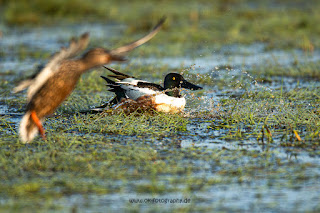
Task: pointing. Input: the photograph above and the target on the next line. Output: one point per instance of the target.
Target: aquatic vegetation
(106, 154)
(248, 142)
(296, 70)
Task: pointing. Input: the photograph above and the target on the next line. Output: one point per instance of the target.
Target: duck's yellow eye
(174, 78)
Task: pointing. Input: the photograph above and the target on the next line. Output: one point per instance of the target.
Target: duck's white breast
(165, 103)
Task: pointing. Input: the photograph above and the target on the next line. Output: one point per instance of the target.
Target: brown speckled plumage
(54, 83)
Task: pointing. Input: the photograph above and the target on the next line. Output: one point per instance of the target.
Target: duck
(55, 81)
(132, 94)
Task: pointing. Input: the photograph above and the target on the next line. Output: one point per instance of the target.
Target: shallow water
(238, 59)
(248, 198)
(253, 194)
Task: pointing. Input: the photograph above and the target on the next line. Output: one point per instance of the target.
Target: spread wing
(39, 79)
(28, 81)
(139, 42)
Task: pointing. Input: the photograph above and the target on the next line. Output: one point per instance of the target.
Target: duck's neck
(174, 92)
(85, 64)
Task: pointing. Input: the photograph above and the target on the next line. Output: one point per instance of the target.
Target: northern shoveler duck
(133, 94)
(48, 88)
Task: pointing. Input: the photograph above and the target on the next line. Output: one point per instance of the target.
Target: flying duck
(52, 84)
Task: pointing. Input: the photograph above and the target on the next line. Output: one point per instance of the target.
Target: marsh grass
(50, 170)
(307, 70)
(275, 126)
(102, 154)
(277, 117)
(157, 124)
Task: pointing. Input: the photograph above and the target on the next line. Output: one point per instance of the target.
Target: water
(253, 194)
(237, 59)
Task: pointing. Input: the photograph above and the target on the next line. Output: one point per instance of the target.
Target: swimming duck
(48, 88)
(133, 94)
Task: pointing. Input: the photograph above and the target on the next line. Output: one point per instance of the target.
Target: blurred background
(279, 24)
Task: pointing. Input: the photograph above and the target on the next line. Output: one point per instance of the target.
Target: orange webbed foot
(37, 121)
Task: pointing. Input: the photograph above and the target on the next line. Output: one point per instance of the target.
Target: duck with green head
(133, 94)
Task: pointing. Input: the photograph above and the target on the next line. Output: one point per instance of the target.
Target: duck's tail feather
(28, 129)
(116, 88)
(117, 74)
(110, 82)
(119, 77)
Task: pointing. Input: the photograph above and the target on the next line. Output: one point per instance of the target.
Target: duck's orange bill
(37, 121)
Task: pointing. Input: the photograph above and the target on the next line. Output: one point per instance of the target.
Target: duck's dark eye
(174, 78)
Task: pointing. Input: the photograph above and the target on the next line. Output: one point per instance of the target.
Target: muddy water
(254, 196)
